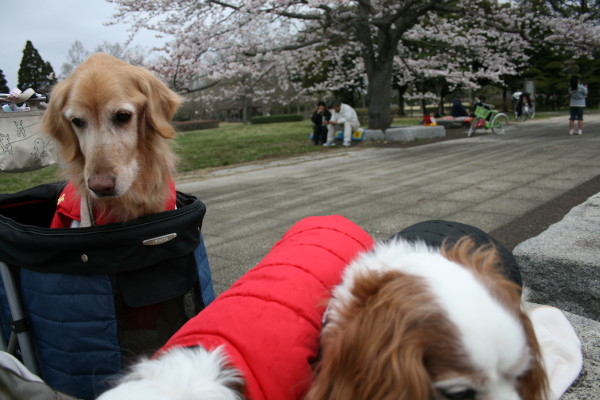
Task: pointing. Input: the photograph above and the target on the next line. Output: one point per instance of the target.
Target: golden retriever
(111, 120)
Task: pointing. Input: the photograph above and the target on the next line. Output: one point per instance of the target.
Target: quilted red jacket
(269, 321)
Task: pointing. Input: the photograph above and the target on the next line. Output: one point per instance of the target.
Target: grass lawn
(14, 182)
(233, 143)
(229, 144)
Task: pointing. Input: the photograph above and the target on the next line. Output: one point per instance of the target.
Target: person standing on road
(578, 94)
(342, 117)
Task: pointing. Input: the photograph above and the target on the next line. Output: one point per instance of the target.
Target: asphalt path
(513, 186)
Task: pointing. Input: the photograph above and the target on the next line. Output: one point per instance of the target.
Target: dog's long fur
(411, 322)
(181, 374)
(111, 120)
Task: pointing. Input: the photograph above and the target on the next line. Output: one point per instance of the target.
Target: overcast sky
(53, 26)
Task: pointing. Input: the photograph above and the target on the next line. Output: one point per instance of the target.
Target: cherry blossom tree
(442, 55)
(217, 41)
(78, 53)
(550, 69)
(567, 8)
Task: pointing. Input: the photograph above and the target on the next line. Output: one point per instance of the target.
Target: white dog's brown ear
(55, 124)
(534, 384)
(374, 347)
(162, 103)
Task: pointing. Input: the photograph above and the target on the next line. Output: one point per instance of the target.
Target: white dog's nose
(103, 185)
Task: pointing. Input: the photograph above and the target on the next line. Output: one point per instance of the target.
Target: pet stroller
(79, 305)
(84, 302)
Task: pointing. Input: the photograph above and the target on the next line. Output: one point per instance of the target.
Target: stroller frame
(20, 333)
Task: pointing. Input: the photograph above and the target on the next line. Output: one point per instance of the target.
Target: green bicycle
(488, 119)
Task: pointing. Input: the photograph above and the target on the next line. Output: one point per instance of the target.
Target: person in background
(578, 94)
(429, 120)
(480, 102)
(458, 110)
(319, 119)
(524, 99)
(342, 117)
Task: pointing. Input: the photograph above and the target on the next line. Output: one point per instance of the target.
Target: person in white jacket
(342, 117)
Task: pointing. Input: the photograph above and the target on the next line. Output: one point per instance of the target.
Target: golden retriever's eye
(78, 122)
(122, 117)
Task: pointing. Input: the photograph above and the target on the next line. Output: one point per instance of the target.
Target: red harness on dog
(68, 207)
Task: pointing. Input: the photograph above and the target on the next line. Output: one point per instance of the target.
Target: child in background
(319, 119)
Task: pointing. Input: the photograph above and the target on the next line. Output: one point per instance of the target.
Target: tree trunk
(401, 105)
(380, 95)
(504, 99)
(244, 110)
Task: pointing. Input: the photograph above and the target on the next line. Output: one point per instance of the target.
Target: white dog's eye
(122, 117)
(463, 394)
(78, 122)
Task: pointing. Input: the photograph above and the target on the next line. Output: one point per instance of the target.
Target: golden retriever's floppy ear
(375, 347)
(161, 103)
(55, 125)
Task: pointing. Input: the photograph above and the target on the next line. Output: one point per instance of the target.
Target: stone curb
(560, 267)
(403, 134)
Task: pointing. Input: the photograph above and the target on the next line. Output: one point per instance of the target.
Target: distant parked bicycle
(487, 118)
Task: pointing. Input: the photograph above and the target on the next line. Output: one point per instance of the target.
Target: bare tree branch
(185, 90)
(284, 48)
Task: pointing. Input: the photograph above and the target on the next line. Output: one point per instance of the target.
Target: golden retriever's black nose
(102, 185)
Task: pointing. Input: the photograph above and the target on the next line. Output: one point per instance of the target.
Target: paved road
(501, 184)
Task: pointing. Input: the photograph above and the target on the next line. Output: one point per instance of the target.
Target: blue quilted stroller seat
(94, 299)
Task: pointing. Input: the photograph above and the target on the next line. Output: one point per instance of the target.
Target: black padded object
(434, 233)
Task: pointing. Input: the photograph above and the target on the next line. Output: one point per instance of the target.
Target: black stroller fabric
(100, 295)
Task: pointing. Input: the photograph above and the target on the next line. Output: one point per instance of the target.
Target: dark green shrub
(186, 126)
(275, 118)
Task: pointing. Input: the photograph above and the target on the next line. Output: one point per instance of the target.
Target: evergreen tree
(3, 83)
(34, 72)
